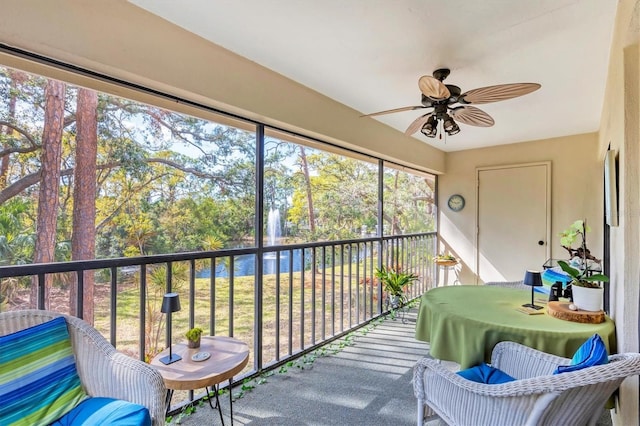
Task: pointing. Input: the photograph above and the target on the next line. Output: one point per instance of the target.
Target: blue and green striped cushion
(38, 378)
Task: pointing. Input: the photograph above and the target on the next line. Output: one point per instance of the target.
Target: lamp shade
(532, 278)
(170, 303)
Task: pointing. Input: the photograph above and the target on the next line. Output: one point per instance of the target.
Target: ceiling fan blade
(472, 116)
(433, 88)
(417, 124)
(500, 92)
(389, 111)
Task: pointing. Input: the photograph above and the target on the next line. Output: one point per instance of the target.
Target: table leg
(231, 400)
(167, 400)
(210, 396)
(215, 389)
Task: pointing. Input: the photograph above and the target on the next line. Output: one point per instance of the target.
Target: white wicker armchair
(508, 284)
(103, 371)
(536, 398)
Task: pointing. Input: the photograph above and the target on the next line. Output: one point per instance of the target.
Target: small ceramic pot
(193, 343)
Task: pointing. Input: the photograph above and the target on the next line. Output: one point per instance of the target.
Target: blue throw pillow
(105, 411)
(484, 373)
(592, 352)
(38, 378)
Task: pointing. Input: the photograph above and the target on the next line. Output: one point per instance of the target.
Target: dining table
(463, 323)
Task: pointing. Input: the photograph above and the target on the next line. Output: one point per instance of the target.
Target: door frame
(547, 164)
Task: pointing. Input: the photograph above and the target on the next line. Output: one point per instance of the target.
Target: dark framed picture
(611, 188)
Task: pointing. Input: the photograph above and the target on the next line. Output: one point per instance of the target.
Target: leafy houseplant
(569, 236)
(580, 277)
(394, 283)
(585, 287)
(193, 337)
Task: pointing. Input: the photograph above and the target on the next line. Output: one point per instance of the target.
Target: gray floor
(368, 383)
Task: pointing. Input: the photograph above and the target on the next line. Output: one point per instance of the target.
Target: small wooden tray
(561, 311)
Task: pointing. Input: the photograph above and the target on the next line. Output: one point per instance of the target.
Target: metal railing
(282, 300)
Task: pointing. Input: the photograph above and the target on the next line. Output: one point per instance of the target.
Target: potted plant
(585, 289)
(445, 260)
(193, 337)
(394, 283)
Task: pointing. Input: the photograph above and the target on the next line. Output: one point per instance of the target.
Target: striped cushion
(38, 378)
(590, 353)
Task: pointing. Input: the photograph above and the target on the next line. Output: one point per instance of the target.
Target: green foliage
(581, 277)
(394, 281)
(443, 256)
(193, 334)
(16, 239)
(168, 182)
(570, 235)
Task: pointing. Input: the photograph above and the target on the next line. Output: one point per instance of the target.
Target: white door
(513, 220)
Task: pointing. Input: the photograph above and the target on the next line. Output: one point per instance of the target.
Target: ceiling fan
(441, 97)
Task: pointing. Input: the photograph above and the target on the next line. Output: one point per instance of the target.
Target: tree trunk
(395, 222)
(307, 183)
(46, 222)
(16, 78)
(83, 240)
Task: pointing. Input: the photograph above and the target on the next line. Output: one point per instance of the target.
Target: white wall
(620, 129)
(576, 192)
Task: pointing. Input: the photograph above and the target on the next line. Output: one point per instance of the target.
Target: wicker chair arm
(107, 372)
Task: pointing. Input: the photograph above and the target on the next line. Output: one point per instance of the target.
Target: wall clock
(456, 202)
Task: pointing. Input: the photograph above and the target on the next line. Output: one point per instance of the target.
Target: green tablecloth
(464, 323)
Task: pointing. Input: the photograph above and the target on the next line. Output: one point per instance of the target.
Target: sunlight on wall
(451, 236)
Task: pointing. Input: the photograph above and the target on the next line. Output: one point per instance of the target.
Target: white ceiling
(369, 54)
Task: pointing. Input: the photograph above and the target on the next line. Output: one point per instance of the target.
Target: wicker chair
(536, 398)
(103, 371)
(507, 284)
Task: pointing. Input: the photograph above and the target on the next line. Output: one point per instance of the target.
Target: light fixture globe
(454, 130)
(430, 128)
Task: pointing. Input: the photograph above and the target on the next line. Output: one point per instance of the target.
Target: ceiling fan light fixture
(430, 128)
(448, 122)
(450, 126)
(454, 130)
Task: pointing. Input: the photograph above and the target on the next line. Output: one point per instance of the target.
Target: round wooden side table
(227, 357)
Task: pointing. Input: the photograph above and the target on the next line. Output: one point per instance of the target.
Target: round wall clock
(456, 202)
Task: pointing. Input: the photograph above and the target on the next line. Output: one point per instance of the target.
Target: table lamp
(533, 279)
(170, 304)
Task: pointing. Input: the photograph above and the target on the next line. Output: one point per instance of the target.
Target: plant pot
(193, 343)
(394, 302)
(587, 299)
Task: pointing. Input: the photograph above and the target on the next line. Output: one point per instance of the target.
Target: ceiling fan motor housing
(441, 74)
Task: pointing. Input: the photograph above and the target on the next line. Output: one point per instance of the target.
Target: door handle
(540, 243)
